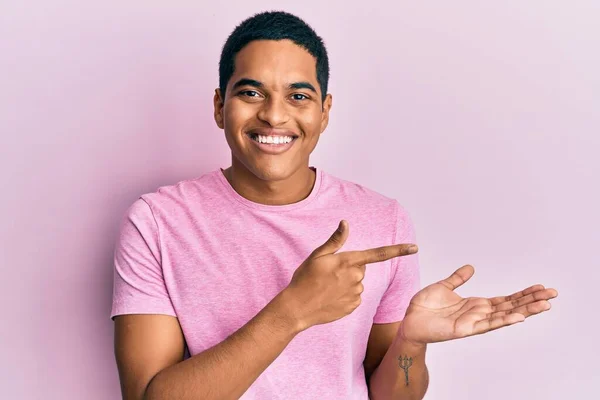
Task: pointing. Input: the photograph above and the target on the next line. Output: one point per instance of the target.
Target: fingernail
(413, 248)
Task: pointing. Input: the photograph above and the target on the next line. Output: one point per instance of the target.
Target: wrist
(287, 311)
(401, 338)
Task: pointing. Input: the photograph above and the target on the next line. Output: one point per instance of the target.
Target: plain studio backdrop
(481, 118)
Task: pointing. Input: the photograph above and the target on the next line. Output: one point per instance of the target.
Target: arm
(402, 374)
(149, 352)
(385, 377)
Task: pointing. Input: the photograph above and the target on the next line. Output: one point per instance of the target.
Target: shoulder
(373, 206)
(359, 195)
(182, 194)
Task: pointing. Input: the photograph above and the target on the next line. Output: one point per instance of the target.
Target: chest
(218, 281)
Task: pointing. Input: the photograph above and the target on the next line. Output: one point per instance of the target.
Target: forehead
(275, 63)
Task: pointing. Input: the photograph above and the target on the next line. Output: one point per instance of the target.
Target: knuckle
(344, 262)
(358, 301)
(360, 276)
(335, 238)
(381, 253)
(337, 273)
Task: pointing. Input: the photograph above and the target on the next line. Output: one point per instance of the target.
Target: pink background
(483, 120)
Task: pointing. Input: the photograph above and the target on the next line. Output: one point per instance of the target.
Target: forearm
(227, 370)
(402, 374)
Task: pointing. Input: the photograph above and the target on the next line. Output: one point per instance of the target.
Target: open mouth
(272, 140)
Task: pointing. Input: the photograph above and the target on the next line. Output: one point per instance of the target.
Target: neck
(291, 190)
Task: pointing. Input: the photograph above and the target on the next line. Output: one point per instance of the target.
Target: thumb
(459, 277)
(335, 241)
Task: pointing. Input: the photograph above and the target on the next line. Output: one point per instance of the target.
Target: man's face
(271, 115)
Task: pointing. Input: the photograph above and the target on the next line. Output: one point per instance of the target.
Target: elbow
(152, 390)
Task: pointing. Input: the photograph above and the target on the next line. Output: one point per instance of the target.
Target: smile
(272, 144)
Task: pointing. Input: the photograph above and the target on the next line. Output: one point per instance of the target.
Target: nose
(274, 111)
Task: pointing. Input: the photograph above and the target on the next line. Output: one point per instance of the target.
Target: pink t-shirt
(199, 251)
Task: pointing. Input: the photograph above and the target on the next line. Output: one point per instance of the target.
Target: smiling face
(272, 113)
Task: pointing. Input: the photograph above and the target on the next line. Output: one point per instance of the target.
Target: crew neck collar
(266, 207)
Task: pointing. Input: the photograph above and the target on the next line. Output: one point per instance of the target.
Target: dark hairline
(276, 26)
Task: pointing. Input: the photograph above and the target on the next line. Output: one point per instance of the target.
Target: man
(244, 268)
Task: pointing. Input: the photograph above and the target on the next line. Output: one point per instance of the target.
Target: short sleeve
(138, 285)
(405, 275)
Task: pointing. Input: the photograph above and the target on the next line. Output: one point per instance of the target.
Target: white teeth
(273, 139)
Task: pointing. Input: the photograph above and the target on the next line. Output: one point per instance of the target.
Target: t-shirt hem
(123, 310)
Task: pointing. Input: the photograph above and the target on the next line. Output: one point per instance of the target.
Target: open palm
(437, 313)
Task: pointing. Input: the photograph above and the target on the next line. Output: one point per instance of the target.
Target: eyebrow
(303, 85)
(259, 85)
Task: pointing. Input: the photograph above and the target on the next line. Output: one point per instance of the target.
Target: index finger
(382, 253)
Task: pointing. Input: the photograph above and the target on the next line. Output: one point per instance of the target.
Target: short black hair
(273, 25)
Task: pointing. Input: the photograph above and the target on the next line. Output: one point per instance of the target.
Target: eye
(299, 96)
(249, 93)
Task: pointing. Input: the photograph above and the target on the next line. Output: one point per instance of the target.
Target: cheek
(311, 122)
(311, 126)
(235, 115)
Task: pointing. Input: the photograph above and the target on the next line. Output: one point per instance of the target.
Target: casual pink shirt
(199, 251)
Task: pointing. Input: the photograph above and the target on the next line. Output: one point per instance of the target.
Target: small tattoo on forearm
(405, 363)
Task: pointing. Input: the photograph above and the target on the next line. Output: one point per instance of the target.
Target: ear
(325, 112)
(218, 103)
